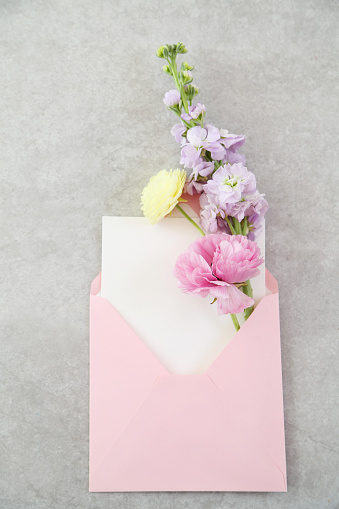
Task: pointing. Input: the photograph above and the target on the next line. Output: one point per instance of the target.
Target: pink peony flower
(214, 264)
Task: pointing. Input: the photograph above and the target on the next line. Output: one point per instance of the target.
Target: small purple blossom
(198, 139)
(256, 213)
(239, 201)
(196, 181)
(204, 169)
(177, 131)
(172, 98)
(197, 111)
(193, 187)
(212, 216)
(194, 112)
(237, 210)
(231, 140)
(213, 133)
(253, 206)
(233, 157)
(190, 156)
(230, 182)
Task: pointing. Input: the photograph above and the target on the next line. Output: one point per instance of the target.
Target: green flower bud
(165, 52)
(191, 91)
(195, 90)
(187, 67)
(160, 52)
(186, 77)
(181, 48)
(175, 108)
(167, 69)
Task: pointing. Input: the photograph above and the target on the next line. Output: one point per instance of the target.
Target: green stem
(190, 220)
(217, 165)
(230, 225)
(237, 226)
(244, 226)
(182, 120)
(248, 290)
(184, 99)
(179, 86)
(235, 321)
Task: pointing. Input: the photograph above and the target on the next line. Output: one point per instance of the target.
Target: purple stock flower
(177, 131)
(256, 213)
(232, 192)
(172, 98)
(211, 216)
(237, 210)
(185, 116)
(193, 183)
(194, 112)
(193, 187)
(231, 140)
(233, 157)
(204, 169)
(230, 182)
(253, 206)
(198, 139)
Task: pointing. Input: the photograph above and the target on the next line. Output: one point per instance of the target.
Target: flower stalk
(235, 321)
(230, 202)
(248, 290)
(190, 220)
(182, 79)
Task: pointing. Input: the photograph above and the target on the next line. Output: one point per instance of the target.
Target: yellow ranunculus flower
(162, 194)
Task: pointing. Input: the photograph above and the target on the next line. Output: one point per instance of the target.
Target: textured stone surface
(83, 127)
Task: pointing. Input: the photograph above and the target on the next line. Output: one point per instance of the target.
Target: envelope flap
(122, 371)
(248, 373)
(194, 442)
(96, 285)
(271, 282)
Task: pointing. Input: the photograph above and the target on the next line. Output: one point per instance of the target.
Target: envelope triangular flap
(122, 372)
(184, 438)
(248, 373)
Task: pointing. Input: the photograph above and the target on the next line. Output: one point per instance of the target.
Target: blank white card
(183, 331)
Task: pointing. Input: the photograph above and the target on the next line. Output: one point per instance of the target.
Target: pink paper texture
(154, 431)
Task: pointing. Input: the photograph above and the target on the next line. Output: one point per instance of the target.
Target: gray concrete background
(83, 127)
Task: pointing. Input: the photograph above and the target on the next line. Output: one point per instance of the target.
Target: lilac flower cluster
(229, 199)
(228, 190)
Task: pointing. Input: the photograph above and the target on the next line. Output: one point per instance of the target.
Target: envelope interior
(183, 331)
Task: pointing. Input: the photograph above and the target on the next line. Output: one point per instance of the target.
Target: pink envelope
(154, 431)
